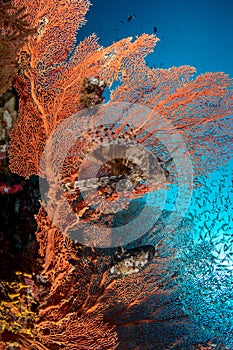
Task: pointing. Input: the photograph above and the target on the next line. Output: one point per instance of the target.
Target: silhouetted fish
(131, 17)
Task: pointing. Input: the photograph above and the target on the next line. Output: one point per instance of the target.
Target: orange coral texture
(50, 85)
(84, 304)
(81, 305)
(14, 31)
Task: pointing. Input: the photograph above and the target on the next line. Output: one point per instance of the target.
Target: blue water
(196, 32)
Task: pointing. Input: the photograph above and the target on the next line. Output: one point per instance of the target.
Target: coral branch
(14, 31)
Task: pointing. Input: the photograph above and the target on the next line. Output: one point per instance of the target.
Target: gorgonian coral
(14, 31)
(50, 86)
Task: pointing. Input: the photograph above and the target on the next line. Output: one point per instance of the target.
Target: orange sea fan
(50, 87)
(14, 32)
(83, 305)
(109, 166)
(197, 108)
(50, 93)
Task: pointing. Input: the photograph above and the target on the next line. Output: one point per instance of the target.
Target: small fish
(155, 29)
(131, 17)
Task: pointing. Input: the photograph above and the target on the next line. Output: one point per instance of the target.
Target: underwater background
(194, 309)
